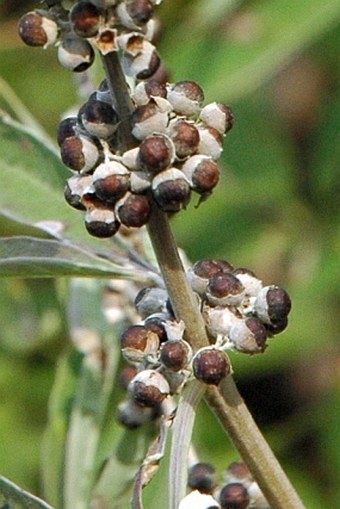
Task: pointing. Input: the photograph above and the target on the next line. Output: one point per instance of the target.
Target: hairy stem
(225, 401)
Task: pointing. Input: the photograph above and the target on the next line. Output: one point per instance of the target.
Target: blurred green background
(276, 211)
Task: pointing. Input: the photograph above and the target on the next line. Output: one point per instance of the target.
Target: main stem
(225, 400)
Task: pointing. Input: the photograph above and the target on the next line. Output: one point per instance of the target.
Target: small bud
(80, 153)
(197, 500)
(149, 388)
(156, 153)
(37, 30)
(175, 355)
(74, 190)
(234, 496)
(75, 54)
(202, 173)
(224, 289)
(66, 129)
(202, 477)
(85, 19)
(210, 142)
(210, 365)
(111, 181)
(171, 190)
(98, 118)
(133, 210)
(185, 137)
(272, 305)
(249, 335)
(217, 115)
(101, 223)
(150, 300)
(146, 90)
(185, 97)
(149, 119)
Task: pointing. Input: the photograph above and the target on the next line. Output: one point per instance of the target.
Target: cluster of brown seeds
(237, 491)
(240, 314)
(176, 140)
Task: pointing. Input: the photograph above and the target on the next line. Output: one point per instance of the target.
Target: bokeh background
(276, 211)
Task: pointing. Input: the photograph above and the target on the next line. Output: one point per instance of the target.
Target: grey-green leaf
(33, 257)
(13, 497)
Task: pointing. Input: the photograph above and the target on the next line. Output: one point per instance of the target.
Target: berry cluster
(239, 312)
(176, 141)
(238, 490)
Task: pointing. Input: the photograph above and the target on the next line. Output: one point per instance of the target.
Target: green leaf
(32, 257)
(13, 497)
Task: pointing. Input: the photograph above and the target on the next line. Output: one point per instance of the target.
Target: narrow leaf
(13, 497)
(32, 257)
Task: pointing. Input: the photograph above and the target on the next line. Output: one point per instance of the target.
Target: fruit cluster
(175, 140)
(238, 490)
(240, 314)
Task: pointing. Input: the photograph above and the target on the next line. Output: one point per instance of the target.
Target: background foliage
(275, 212)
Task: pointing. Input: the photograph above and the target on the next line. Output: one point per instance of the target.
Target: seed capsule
(210, 365)
(75, 54)
(210, 142)
(135, 13)
(85, 19)
(185, 97)
(224, 289)
(175, 355)
(146, 90)
(202, 173)
(171, 190)
(185, 138)
(101, 223)
(67, 128)
(217, 115)
(234, 496)
(74, 190)
(202, 477)
(272, 305)
(249, 335)
(37, 30)
(144, 64)
(149, 388)
(156, 153)
(200, 273)
(98, 118)
(149, 119)
(219, 320)
(138, 343)
(133, 210)
(80, 153)
(111, 181)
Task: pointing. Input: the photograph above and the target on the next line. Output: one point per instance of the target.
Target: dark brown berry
(175, 354)
(67, 128)
(207, 267)
(210, 365)
(80, 153)
(224, 288)
(134, 210)
(234, 496)
(185, 137)
(135, 337)
(149, 388)
(171, 190)
(156, 152)
(85, 19)
(75, 53)
(202, 477)
(101, 223)
(140, 11)
(37, 30)
(157, 325)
